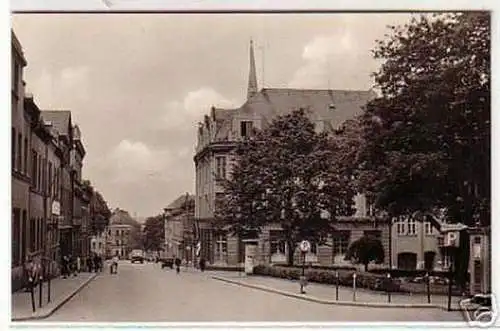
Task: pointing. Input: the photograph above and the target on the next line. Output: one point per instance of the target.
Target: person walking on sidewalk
(78, 264)
(202, 264)
(96, 263)
(177, 264)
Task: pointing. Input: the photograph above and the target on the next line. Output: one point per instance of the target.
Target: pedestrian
(89, 264)
(114, 264)
(202, 264)
(78, 264)
(65, 266)
(177, 264)
(96, 263)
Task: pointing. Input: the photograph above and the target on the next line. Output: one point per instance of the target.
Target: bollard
(337, 286)
(32, 292)
(427, 280)
(40, 290)
(354, 287)
(389, 287)
(450, 281)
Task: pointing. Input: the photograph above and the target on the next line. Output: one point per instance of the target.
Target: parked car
(137, 255)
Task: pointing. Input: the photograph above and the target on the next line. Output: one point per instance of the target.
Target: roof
(330, 106)
(60, 119)
(179, 202)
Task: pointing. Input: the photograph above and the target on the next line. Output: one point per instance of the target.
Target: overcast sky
(138, 84)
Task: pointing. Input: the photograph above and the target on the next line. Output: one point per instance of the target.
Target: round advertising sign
(305, 246)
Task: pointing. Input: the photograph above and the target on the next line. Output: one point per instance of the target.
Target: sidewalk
(61, 291)
(324, 293)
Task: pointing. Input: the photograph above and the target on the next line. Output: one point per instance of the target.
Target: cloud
(61, 89)
(337, 61)
(133, 161)
(187, 112)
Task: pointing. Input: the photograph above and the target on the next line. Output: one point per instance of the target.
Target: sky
(137, 84)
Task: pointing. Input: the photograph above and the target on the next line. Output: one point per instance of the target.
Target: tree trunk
(366, 267)
(291, 252)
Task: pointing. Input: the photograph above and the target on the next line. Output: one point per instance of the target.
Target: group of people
(94, 263)
(71, 266)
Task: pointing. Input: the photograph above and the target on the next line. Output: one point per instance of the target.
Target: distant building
(117, 240)
(98, 244)
(179, 228)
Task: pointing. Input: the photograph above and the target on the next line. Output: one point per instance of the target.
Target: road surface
(146, 293)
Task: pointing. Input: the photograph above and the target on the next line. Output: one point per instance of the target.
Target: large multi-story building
(223, 128)
(61, 121)
(42, 180)
(21, 133)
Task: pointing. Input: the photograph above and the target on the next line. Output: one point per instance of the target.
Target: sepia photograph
(251, 166)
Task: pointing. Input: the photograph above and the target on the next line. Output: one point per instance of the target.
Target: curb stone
(330, 302)
(58, 305)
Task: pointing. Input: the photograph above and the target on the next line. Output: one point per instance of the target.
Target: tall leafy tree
(428, 134)
(427, 137)
(291, 175)
(154, 233)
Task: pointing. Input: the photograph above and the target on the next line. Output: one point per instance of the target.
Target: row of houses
(51, 203)
(408, 243)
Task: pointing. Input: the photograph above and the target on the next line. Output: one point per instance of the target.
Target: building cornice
(219, 146)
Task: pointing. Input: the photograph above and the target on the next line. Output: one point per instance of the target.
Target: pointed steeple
(252, 77)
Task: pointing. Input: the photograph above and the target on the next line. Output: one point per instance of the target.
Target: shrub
(224, 268)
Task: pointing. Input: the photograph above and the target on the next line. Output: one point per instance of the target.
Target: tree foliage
(154, 233)
(290, 175)
(427, 137)
(365, 250)
(100, 213)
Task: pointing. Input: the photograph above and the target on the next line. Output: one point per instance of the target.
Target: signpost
(305, 246)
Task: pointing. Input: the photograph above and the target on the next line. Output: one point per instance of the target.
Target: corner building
(219, 133)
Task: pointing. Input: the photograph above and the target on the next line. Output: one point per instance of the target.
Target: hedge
(224, 268)
(320, 267)
(368, 280)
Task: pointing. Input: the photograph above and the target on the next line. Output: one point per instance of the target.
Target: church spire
(252, 77)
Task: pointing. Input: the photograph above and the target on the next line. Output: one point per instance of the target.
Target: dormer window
(246, 128)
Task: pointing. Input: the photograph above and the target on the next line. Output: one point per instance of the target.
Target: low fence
(430, 284)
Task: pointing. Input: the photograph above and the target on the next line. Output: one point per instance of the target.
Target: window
(314, 248)
(401, 226)
(412, 227)
(341, 242)
(34, 165)
(32, 237)
(16, 236)
(49, 185)
(278, 245)
(220, 162)
(100, 245)
(19, 152)
(221, 247)
(24, 236)
(117, 233)
(25, 169)
(13, 148)
(428, 228)
(117, 242)
(15, 76)
(93, 245)
(246, 128)
(477, 240)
